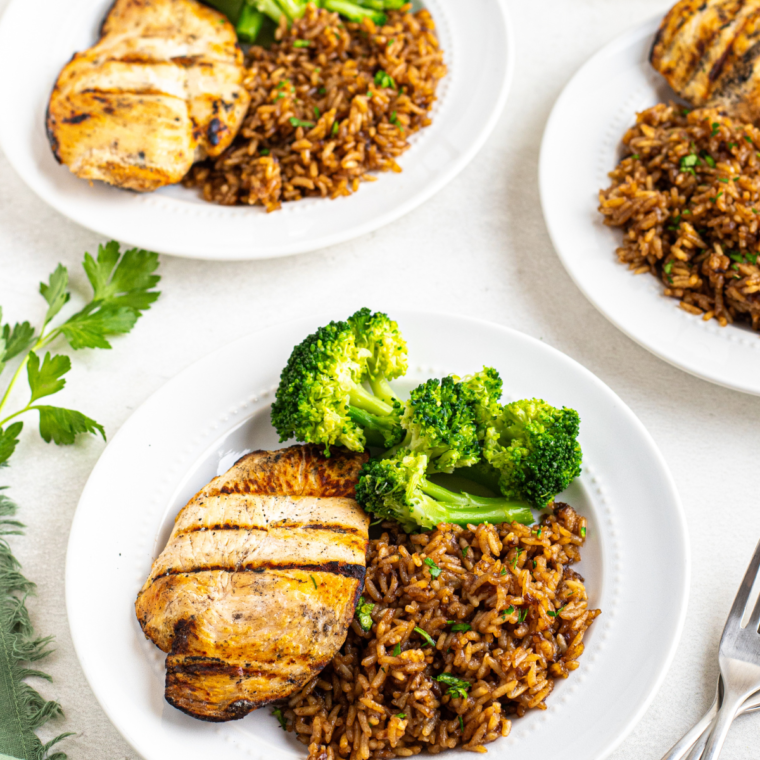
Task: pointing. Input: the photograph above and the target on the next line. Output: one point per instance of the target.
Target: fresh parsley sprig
(123, 288)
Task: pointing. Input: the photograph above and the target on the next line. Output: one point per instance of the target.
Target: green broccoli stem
(269, 8)
(377, 5)
(372, 423)
(363, 399)
(293, 9)
(464, 508)
(249, 24)
(354, 12)
(382, 389)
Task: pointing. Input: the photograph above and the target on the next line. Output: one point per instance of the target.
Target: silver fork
(692, 743)
(739, 659)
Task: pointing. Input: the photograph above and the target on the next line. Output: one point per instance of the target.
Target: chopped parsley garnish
(394, 120)
(313, 581)
(459, 626)
(425, 635)
(401, 716)
(517, 556)
(264, 151)
(384, 79)
(435, 571)
(503, 571)
(466, 548)
(299, 123)
(301, 43)
(277, 712)
(722, 179)
(748, 139)
(736, 257)
(316, 111)
(461, 722)
(751, 257)
(369, 93)
(732, 145)
(734, 266)
(555, 614)
(509, 611)
(457, 686)
(534, 564)
(335, 128)
(685, 111)
(280, 96)
(583, 533)
(397, 650)
(635, 156)
(736, 179)
(715, 128)
(709, 160)
(391, 41)
(521, 617)
(282, 84)
(667, 268)
(322, 90)
(689, 162)
(364, 614)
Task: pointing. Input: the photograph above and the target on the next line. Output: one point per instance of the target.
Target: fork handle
(682, 748)
(732, 702)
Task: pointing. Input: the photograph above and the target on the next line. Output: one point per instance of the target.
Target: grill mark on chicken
(337, 568)
(255, 589)
(311, 526)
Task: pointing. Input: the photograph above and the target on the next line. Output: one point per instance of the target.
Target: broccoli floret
(396, 488)
(321, 398)
(538, 454)
(381, 350)
(449, 420)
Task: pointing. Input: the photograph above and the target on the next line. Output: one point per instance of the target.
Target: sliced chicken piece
(161, 89)
(709, 53)
(259, 581)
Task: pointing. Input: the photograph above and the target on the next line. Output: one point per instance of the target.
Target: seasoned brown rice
(521, 614)
(331, 101)
(687, 197)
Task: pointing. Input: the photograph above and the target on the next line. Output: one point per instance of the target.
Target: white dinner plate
(636, 561)
(479, 51)
(580, 146)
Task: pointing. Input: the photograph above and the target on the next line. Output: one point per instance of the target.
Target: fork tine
(742, 596)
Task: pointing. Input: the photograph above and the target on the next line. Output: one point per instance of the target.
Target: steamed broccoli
(381, 350)
(448, 420)
(321, 398)
(396, 488)
(537, 454)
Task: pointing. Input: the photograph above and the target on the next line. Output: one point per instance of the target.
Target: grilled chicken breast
(709, 52)
(256, 588)
(161, 89)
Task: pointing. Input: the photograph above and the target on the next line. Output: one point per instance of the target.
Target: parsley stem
(22, 364)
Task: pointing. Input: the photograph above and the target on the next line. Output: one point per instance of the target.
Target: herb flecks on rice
(688, 199)
(449, 660)
(326, 114)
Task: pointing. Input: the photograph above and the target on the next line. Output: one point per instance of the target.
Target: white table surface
(479, 248)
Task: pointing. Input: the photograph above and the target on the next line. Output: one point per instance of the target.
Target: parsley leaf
(459, 626)
(299, 123)
(397, 650)
(425, 635)
(55, 292)
(9, 440)
(277, 712)
(457, 686)
(384, 79)
(15, 340)
(62, 426)
(435, 571)
(364, 614)
(46, 379)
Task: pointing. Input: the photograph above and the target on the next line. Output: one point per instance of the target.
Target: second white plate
(479, 51)
(580, 146)
(636, 561)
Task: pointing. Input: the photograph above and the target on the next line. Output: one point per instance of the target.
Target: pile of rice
(688, 199)
(521, 612)
(331, 101)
